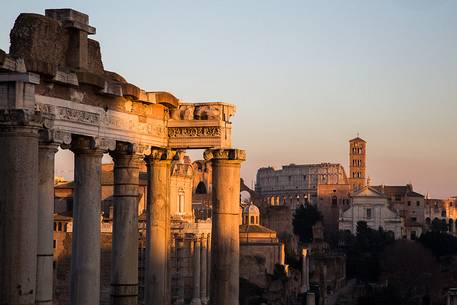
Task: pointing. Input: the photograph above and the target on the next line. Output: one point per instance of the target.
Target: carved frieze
(175, 132)
(69, 114)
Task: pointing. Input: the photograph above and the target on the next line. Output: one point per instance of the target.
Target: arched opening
(201, 188)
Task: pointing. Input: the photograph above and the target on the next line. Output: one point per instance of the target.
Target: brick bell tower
(357, 163)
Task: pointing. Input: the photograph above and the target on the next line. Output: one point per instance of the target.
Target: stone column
(310, 298)
(85, 255)
(196, 272)
(208, 271)
(180, 270)
(44, 276)
(18, 203)
(225, 255)
(157, 231)
(124, 273)
(305, 271)
(203, 273)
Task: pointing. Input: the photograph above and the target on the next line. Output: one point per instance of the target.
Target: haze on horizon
(306, 76)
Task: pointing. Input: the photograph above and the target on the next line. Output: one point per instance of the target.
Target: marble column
(18, 205)
(196, 272)
(124, 272)
(157, 231)
(44, 276)
(85, 255)
(305, 271)
(225, 252)
(203, 270)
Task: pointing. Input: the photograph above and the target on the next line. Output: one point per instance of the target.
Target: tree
(304, 219)
(412, 271)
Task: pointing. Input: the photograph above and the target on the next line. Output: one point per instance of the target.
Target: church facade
(371, 206)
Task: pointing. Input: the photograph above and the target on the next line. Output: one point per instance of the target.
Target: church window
(55, 226)
(443, 213)
(418, 203)
(369, 214)
(252, 220)
(54, 244)
(60, 227)
(245, 220)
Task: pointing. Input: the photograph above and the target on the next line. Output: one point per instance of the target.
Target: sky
(306, 76)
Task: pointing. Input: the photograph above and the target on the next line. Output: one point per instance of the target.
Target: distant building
(371, 206)
(357, 163)
(294, 185)
(260, 249)
(409, 204)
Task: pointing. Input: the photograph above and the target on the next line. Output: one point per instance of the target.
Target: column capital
(124, 149)
(160, 154)
(21, 117)
(224, 154)
(83, 144)
(54, 137)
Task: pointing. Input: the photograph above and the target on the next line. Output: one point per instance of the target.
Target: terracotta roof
(397, 190)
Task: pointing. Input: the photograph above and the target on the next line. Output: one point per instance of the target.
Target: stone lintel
(225, 154)
(71, 18)
(66, 78)
(130, 90)
(112, 89)
(31, 78)
(91, 79)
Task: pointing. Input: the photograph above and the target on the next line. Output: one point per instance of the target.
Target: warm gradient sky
(306, 76)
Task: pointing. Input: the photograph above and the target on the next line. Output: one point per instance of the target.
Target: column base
(196, 301)
(205, 301)
(179, 302)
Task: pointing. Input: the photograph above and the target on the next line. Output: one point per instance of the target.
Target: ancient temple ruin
(54, 92)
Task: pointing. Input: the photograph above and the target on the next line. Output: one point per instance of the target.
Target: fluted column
(225, 225)
(44, 277)
(124, 273)
(157, 231)
(196, 272)
(203, 270)
(85, 256)
(18, 204)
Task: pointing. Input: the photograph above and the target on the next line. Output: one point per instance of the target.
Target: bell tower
(357, 163)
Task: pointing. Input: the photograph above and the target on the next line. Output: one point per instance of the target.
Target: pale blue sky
(306, 76)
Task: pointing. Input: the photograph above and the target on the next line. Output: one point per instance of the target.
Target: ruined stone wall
(258, 260)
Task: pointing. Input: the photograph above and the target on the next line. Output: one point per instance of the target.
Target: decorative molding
(175, 132)
(225, 154)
